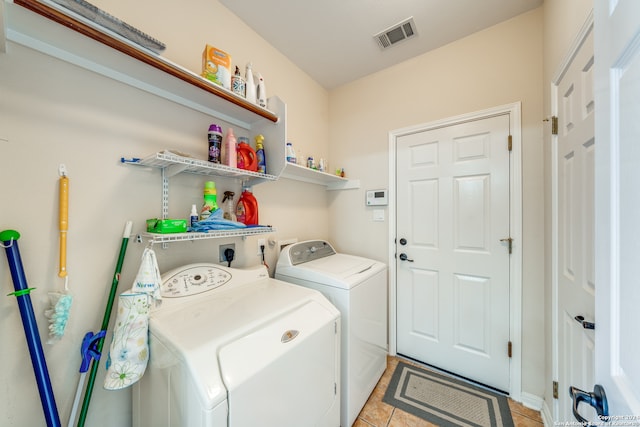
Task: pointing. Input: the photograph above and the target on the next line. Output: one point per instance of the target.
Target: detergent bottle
(247, 208)
(210, 200)
(228, 207)
(262, 161)
(246, 155)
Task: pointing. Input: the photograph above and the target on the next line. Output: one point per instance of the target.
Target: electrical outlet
(261, 242)
(222, 248)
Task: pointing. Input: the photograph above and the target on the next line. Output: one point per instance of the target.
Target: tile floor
(376, 413)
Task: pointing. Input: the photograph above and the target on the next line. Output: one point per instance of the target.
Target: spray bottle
(193, 217)
(228, 207)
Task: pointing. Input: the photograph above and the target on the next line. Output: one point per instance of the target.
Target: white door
(452, 290)
(617, 205)
(575, 232)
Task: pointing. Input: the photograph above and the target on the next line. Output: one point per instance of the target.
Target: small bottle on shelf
(262, 162)
(230, 153)
(290, 153)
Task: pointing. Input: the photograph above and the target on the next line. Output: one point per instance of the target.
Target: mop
(9, 240)
(91, 348)
(58, 314)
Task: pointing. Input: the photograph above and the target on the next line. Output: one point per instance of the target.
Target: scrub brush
(58, 314)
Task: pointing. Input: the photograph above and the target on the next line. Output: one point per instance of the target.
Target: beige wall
(51, 113)
(497, 66)
(563, 21)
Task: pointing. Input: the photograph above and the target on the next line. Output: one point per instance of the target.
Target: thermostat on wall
(377, 198)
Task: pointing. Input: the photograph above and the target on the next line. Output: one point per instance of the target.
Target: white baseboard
(532, 401)
(547, 416)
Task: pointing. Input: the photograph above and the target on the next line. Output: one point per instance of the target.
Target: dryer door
(286, 373)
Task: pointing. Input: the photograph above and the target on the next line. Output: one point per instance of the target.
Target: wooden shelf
(332, 182)
(37, 25)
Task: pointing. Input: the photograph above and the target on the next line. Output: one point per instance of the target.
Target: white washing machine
(358, 287)
(235, 348)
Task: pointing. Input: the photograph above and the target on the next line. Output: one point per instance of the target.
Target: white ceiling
(332, 40)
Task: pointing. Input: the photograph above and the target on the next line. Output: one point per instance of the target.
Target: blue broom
(9, 240)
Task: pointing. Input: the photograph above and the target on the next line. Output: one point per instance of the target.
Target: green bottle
(210, 200)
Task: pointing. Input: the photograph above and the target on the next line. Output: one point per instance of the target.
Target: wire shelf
(174, 164)
(216, 234)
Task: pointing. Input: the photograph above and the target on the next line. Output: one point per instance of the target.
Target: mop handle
(105, 325)
(9, 240)
(64, 223)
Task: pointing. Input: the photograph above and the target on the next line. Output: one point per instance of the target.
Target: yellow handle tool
(64, 224)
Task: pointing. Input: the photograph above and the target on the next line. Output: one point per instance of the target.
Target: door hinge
(510, 143)
(509, 240)
(509, 350)
(554, 125)
(555, 389)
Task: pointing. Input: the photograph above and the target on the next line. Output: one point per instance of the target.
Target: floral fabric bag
(129, 351)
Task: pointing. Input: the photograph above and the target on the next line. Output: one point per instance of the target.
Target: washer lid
(194, 328)
(339, 270)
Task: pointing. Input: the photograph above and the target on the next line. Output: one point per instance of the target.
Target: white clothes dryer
(358, 287)
(235, 348)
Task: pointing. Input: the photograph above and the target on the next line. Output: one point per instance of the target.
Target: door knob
(597, 399)
(403, 241)
(404, 257)
(584, 323)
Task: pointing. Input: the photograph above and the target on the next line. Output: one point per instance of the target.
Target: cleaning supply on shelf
(229, 151)
(240, 158)
(166, 226)
(216, 66)
(247, 158)
(238, 85)
(290, 153)
(58, 313)
(247, 208)
(215, 222)
(250, 90)
(261, 92)
(215, 143)
(229, 208)
(262, 161)
(193, 216)
(210, 200)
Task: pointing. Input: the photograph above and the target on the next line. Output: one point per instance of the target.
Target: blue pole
(9, 240)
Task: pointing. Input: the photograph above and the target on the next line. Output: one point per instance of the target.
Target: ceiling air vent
(396, 33)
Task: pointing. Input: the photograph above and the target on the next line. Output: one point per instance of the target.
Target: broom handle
(9, 240)
(64, 224)
(105, 325)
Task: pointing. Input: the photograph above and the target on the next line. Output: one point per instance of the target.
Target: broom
(91, 349)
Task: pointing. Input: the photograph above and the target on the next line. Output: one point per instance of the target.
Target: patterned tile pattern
(376, 413)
